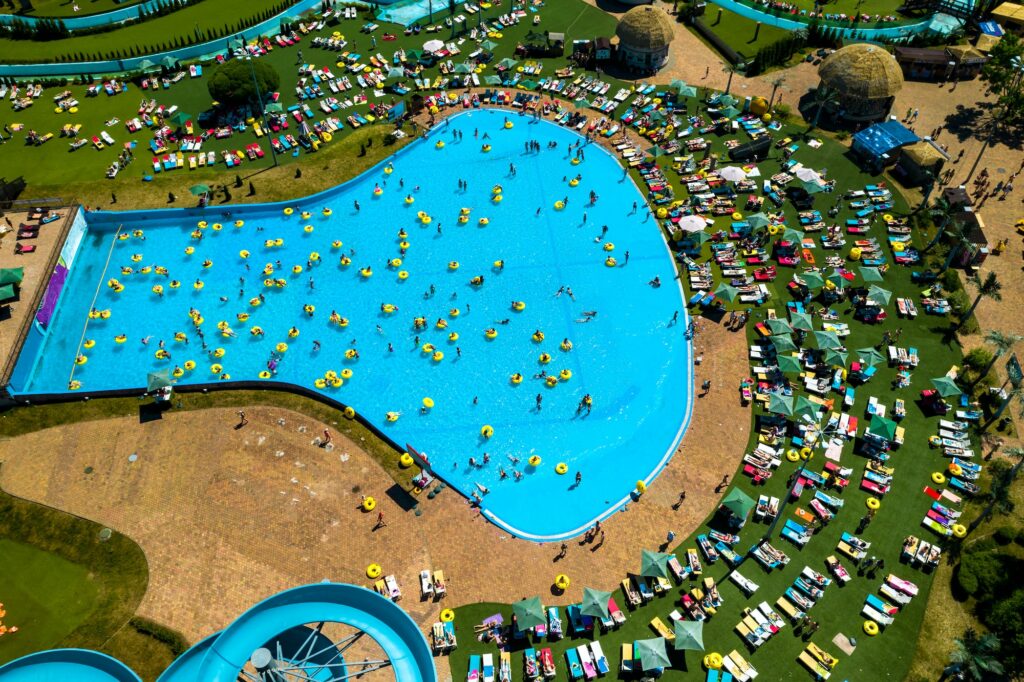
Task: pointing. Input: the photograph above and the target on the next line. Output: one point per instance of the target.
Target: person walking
(242, 421)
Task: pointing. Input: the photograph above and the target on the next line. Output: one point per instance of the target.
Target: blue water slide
(62, 665)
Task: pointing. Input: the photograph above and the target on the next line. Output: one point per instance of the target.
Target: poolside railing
(19, 340)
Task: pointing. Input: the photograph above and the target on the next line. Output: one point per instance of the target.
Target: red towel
(934, 494)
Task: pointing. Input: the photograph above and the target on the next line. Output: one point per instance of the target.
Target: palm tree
(990, 287)
(998, 496)
(776, 84)
(1011, 395)
(929, 187)
(943, 211)
(960, 236)
(824, 97)
(973, 655)
(731, 70)
(1001, 344)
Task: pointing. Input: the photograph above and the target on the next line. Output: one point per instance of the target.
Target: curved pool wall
(635, 364)
(85, 21)
(901, 31)
(63, 665)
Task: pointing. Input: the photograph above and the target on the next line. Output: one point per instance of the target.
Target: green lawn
(45, 596)
(881, 8)
(66, 8)
(738, 32)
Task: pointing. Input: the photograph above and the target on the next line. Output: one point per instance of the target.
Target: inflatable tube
(870, 628)
(561, 468)
(487, 431)
(938, 478)
(873, 503)
(373, 571)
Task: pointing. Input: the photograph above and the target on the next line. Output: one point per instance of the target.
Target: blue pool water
(634, 363)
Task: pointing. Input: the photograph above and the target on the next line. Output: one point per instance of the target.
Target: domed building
(865, 79)
(644, 34)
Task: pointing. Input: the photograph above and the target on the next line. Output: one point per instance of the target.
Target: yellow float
(440, 144)
(610, 262)
(216, 369)
(453, 337)
(349, 413)
(484, 221)
(574, 182)
(487, 431)
(346, 373)
(518, 306)
(120, 338)
(566, 345)
(281, 347)
(938, 478)
(959, 530)
(491, 334)
(336, 244)
(551, 381)
(534, 461)
(559, 205)
(447, 615)
(561, 468)
(453, 265)
(366, 273)
(565, 375)
(405, 461)
(544, 358)
(954, 468)
(438, 356)
(189, 250)
(373, 571)
(403, 274)
(609, 246)
(351, 354)
(308, 229)
(538, 336)
(713, 661)
(189, 365)
(486, 148)
(497, 198)
(792, 455)
(873, 503)
(806, 453)
(870, 628)
(516, 379)
(289, 210)
(562, 581)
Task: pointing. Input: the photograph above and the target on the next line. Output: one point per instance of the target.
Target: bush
(981, 574)
(951, 278)
(978, 358)
(1004, 535)
(174, 640)
(233, 83)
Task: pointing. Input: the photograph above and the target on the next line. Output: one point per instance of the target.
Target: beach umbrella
(528, 84)
(506, 63)
(730, 112)
(804, 407)
(791, 235)
(6, 292)
(869, 274)
(158, 380)
(813, 187)
(802, 321)
(529, 613)
(692, 223)
(879, 295)
(274, 108)
(882, 428)
(733, 173)
(433, 45)
(783, 343)
(727, 292)
(779, 326)
(689, 635)
(235, 43)
(757, 220)
(196, 190)
(180, 118)
(790, 363)
(11, 275)
(946, 387)
(870, 356)
(677, 84)
(780, 404)
(488, 45)
(146, 64)
(652, 653)
(837, 278)
(463, 68)
(805, 174)
(688, 91)
(581, 102)
(835, 356)
(812, 279)
(492, 80)
(395, 72)
(827, 340)
(654, 564)
(738, 503)
(595, 603)
(168, 61)
(727, 100)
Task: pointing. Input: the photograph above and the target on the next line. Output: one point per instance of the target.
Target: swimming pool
(629, 357)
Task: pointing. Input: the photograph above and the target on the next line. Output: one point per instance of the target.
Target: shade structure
(879, 295)
(802, 321)
(463, 68)
(728, 100)
(756, 220)
(196, 190)
(235, 43)
(595, 603)
(813, 187)
(791, 235)
(433, 45)
(881, 427)
(654, 564)
(804, 407)
(790, 363)
(836, 357)
(870, 356)
(395, 72)
(528, 84)
(492, 79)
(11, 275)
(274, 108)
(827, 340)
(6, 292)
(738, 503)
(838, 278)
(581, 102)
(529, 613)
(780, 404)
(783, 343)
(168, 61)
(812, 279)
(692, 223)
(946, 387)
(488, 45)
(146, 64)
(652, 653)
(689, 635)
(805, 174)
(727, 292)
(688, 91)
(699, 237)
(507, 63)
(869, 274)
(733, 173)
(180, 118)
(158, 380)
(731, 112)
(677, 84)
(778, 326)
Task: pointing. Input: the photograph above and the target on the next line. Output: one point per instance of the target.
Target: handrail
(19, 339)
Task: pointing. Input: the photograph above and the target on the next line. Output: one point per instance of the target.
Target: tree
(1001, 344)
(973, 655)
(731, 70)
(928, 186)
(943, 211)
(776, 84)
(1007, 620)
(234, 83)
(824, 97)
(960, 236)
(990, 287)
(998, 496)
(1003, 75)
(1011, 395)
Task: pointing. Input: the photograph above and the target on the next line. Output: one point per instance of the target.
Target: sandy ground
(228, 516)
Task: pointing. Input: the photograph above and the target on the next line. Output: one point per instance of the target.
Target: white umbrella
(433, 45)
(733, 173)
(809, 175)
(692, 223)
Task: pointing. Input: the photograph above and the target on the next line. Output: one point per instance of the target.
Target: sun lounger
(904, 586)
(663, 630)
(473, 675)
(589, 669)
(572, 660)
(615, 612)
(745, 584)
(875, 615)
(814, 665)
(554, 623)
(789, 609)
(439, 584)
(626, 665)
(531, 669)
(393, 590)
(600, 661)
(426, 584)
(738, 667)
(488, 668)
(547, 663)
(631, 594)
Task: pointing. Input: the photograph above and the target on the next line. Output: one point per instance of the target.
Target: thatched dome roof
(645, 28)
(862, 71)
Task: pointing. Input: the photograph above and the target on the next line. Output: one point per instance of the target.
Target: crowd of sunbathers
(790, 8)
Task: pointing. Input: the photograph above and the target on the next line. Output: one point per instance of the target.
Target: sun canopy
(946, 387)
(652, 653)
(529, 613)
(11, 275)
(738, 502)
(595, 603)
(689, 635)
(654, 564)
(780, 404)
(158, 380)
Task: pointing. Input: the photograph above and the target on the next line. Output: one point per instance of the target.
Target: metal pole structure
(259, 100)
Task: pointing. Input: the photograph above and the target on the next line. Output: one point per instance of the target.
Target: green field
(738, 32)
(66, 8)
(882, 8)
(45, 596)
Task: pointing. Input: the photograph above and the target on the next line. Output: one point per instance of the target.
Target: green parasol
(882, 428)
(791, 235)
(146, 64)
(527, 84)
(180, 118)
(802, 321)
(827, 340)
(836, 277)
(169, 61)
(6, 292)
(507, 63)
(488, 45)
(782, 343)
(812, 187)
(652, 653)
(727, 100)
(463, 68)
(836, 357)
(196, 190)
(780, 404)
(731, 112)
(688, 91)
(595, 603)
(654, 564)
(870, 356)
(581, 102)
(11, 275)
(158, 380)
(727, 292)
(492, 80)
(689, 635)
(790, 363)
(804, 407)
(756, 220)
(812, 279)
(699, 237)
(946, 387)
(738, 503)
(779, 326)
(274, 108)
(529, 613)
(879, 295)
(869, 274)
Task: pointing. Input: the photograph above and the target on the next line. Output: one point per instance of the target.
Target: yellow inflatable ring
(575, 161)
(405, 461)
(574, 182)
(487, 431)
(201, 224)
(955, 469)
(713, 661)
(873, 503)
(491, 334)
(544, 358)
(534, 460)
(561, 468)
(215, 369)
(484, 221)
(440, 144)
(373, 571)
(81, 360)
(486, 148)
(438, 356)
(346, 373)
(89, 343)
(566, 345)
(281, 347)
(508, 124)
(336, 244)
(610, 262)
(264, 374)
(609, 246)
(453, 337)
(806, 453)
(120, 338)
(447, 616)
(959, 530)
(496, 198)
(366, 273)
(453, 265)
(289, 210)
(565, 375)
(938, 478)
(403, 274)
(190, 365)
(870, 628)
(551, 381)
(792, 455)
(349, 413)
(538, 336)
(409, 200)
(934, 441)
(320, 383)
(516, 379)
(189, 250)
(559, 205)
(562, 581)
(518, 306)
(774, 229)
(641, 487)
